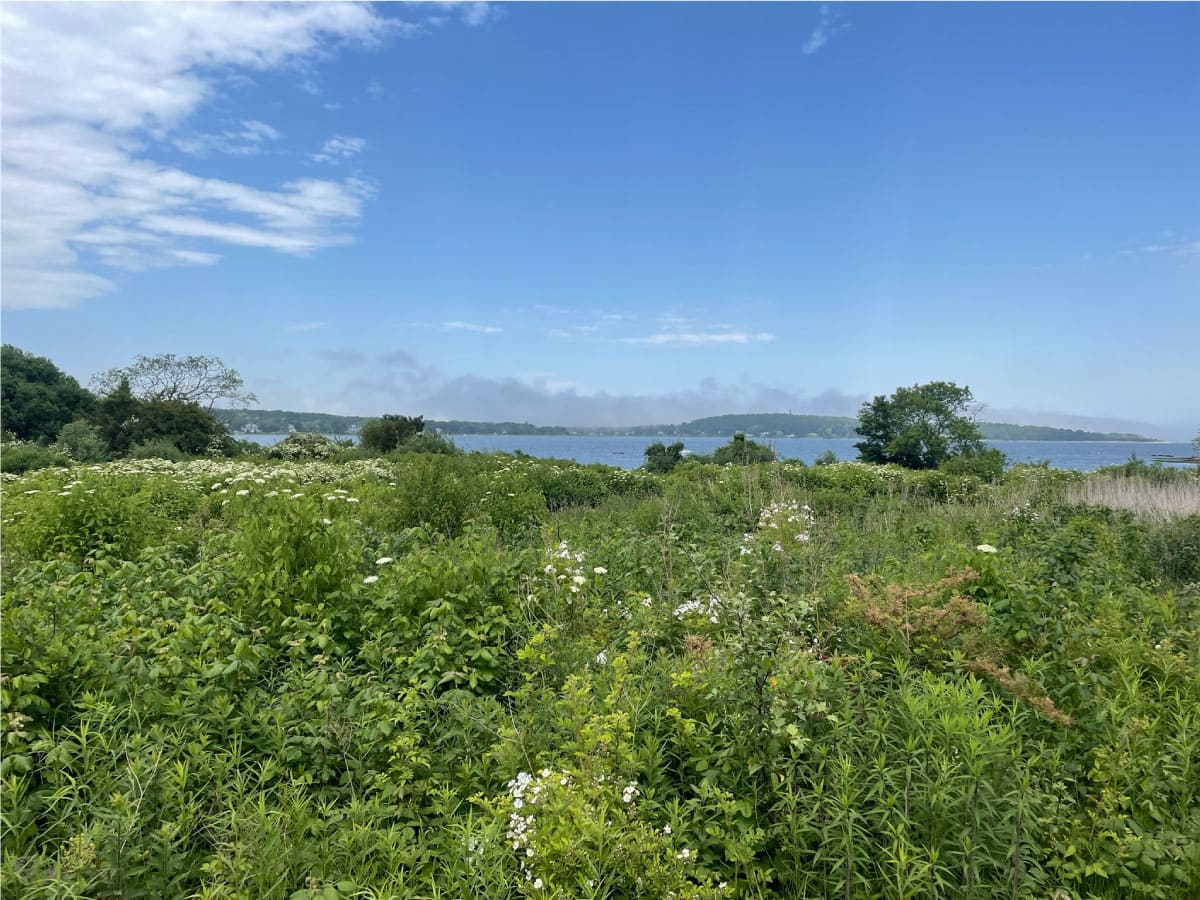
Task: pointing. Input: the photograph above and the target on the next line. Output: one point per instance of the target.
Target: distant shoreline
(755, 425)
(653, 437)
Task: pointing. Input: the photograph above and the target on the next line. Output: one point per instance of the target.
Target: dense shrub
(742, 452)
(385, 434)
(19, 457)
(157, 449)
(81, 441)
(662, 458)
(426, 442)
(303, 446)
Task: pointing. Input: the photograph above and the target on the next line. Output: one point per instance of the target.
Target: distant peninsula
(769, 425)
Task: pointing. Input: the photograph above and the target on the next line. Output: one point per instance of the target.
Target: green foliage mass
(472, 675)
(385, 434)
(125, 422)
(36, 398)
(305, 446)
(741, 452)
(919, 427)
(662, 458)
(82, 442)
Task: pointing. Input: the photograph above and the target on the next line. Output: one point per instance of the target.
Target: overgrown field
(480, 676)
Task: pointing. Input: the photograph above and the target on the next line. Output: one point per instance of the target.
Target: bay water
(626, 451)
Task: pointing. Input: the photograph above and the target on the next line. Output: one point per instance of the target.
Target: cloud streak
(829, 24)
(472, 327)
(248, 140)
(700, 338)
(339, 148)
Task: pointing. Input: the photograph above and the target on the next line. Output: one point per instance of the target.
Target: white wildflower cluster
(709, 609)
(782, 522)
(1023, 513)
(630, 793)
(382, 561)
(281, 483)
(566, 567)
(525, 793)
(986, 548)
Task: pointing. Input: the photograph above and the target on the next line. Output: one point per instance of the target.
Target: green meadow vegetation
(448, 675)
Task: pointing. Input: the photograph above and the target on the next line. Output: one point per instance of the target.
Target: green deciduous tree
(36, 398)
(385, 434)
(919, 427)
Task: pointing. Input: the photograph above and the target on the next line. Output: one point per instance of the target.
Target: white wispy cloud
(1175, 247)
(700, 338)
(471, 326)
(476, 14)
(339, 147)
(305, 326)
(829, 23)
(1166, 243)
(249, 139)
(91, 89)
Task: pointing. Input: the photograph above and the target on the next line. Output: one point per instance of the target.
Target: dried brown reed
(1148, 500)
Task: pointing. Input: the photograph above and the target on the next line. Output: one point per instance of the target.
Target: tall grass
(1151, 501)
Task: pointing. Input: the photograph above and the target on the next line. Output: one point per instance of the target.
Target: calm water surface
(625, 451)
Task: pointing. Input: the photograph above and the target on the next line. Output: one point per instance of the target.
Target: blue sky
(614, 213)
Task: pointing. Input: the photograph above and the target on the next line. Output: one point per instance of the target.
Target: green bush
(19, 457)
(386, 434)
(304, 446)
(81, 441)
(157, 449)
(987, 465)
(425, 442)
(742, 452)
(662, 458)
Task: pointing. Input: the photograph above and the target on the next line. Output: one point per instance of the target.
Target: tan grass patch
(1148, 500)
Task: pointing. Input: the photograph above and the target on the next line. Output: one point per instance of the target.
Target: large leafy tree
(920, 427)
(202, 380)
(36, 398)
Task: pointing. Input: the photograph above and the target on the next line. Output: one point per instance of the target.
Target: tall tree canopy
(920, 427)
(36, 398)
(202, 380)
